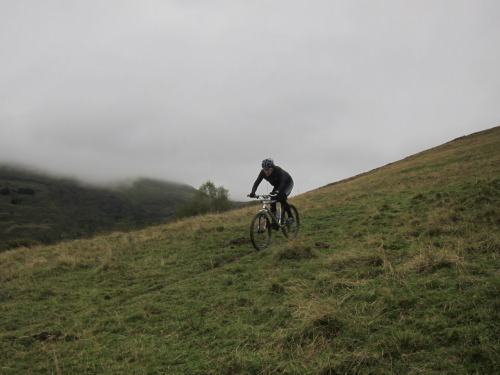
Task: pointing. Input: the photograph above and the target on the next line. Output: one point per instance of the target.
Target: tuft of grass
(431, 259)
(295, 250)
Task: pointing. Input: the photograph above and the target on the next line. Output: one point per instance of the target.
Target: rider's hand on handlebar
(251, 195)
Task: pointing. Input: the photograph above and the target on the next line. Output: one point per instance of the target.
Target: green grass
(394, 271)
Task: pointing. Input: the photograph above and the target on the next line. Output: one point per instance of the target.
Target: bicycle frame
(266, 200)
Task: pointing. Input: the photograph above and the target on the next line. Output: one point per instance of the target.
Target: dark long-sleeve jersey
(279, 179)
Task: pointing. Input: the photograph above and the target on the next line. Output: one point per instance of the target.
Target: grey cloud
(197, 90)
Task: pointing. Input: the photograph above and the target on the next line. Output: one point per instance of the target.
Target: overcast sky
(197, 90)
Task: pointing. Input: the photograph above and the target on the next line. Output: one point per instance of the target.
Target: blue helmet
(267, 163)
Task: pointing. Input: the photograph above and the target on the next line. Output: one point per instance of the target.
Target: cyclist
(282, 184)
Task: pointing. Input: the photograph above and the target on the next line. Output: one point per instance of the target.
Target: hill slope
(394, 271)
(39, 208)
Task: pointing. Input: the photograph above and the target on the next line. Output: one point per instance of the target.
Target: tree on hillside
(207, 199)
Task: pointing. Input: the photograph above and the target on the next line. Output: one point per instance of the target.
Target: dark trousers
(282, 198)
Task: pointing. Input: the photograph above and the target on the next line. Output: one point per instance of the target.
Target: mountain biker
(282, 184)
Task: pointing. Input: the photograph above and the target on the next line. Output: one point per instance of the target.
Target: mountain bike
(265, 221)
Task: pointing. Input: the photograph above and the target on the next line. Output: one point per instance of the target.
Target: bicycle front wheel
(260, 231)
(292, 224)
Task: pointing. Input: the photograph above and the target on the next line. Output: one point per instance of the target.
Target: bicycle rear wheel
(292, 224)
(260, 231)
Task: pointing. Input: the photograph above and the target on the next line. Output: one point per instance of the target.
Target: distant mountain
(37, 208)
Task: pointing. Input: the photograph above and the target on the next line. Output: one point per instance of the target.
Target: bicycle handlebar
(267, 197)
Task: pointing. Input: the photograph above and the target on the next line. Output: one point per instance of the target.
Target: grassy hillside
(394, 272)
(36, 208)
